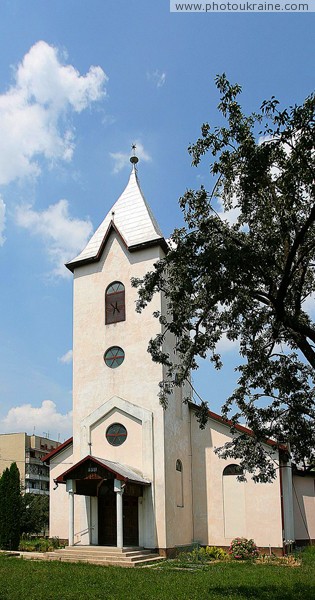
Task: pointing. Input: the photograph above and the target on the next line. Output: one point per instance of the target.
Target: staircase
(104, 555)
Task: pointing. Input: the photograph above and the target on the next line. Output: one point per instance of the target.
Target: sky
(80, 82)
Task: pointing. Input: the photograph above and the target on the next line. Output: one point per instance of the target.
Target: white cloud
(309, 305)
(156, 77)
(225, 345)
(2, 221)
(66, 358)
(63, 235)
(231, 215)
(122, 159)
(45, 418)
(33, 111)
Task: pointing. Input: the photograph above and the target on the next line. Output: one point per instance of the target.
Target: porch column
(119, 489)
(71, 489)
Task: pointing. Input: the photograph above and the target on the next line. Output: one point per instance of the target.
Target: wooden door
(107, 527)
(107, 524)
(131, 520)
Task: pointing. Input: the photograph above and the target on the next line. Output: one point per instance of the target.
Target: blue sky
(79, 83)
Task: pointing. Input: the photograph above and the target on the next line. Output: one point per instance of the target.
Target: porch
(113, 500)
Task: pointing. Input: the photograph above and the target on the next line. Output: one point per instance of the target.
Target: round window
(114, 356)
(116, 434)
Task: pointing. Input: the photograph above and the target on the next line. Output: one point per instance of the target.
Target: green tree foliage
(10, 508)
(251, 280)
(35, 513)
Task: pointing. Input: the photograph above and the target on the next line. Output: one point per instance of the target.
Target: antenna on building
(134, 159)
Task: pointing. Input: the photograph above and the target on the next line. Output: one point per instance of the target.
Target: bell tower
(110, 339)
(129, 479)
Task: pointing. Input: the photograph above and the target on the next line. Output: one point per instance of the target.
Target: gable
(136, 451)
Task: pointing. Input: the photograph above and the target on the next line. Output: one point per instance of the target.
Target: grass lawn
(28, 580)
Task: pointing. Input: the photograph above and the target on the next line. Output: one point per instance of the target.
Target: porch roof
(122, 472)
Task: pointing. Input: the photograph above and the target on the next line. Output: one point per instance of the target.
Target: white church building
(135, 474)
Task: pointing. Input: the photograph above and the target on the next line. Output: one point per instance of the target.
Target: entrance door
(107, 525)
(131, 521)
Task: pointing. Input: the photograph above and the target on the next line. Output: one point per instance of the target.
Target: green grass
(28, 580)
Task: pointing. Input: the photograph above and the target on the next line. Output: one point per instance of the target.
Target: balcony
(37, 492)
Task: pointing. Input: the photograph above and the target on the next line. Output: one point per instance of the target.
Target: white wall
(304, 507)
(257, 506)
(59, 502)
(134, 382)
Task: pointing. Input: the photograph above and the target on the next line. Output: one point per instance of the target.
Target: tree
(10, 508)
(35, 513)
(251, 280)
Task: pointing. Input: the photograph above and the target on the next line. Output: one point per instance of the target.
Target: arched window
(233, 470)
(179, 484)
(233, 502)
(115, 303)
(179, 466)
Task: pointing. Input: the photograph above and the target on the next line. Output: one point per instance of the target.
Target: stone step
(97, 555)
(83, 551)
(83, 557)
(105, 558)
(114, 549)
(135, 561)
(148, 561)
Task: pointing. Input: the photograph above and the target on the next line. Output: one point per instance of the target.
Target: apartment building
(27, 451)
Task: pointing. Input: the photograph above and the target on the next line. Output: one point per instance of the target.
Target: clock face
(116, 434)
(114, 357)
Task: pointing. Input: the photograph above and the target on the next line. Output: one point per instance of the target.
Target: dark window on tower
(179, 484)
(115, 303)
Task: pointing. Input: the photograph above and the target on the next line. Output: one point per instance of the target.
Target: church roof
(131, 217)
(46, 458)
(241, 428)
(122, 472)
(125, 472)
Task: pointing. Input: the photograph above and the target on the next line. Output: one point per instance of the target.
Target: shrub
(39, 544)
(215, 553)
(10, 508)
(202, 555)
(35, 514)
(243, 549)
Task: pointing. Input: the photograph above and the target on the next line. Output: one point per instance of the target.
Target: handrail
(86, 530)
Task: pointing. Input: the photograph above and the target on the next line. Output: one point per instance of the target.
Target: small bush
(215, 553)
(202, 555)
(39, 544)
(243, 549)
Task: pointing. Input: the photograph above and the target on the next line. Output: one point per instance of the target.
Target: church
(135, 474)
